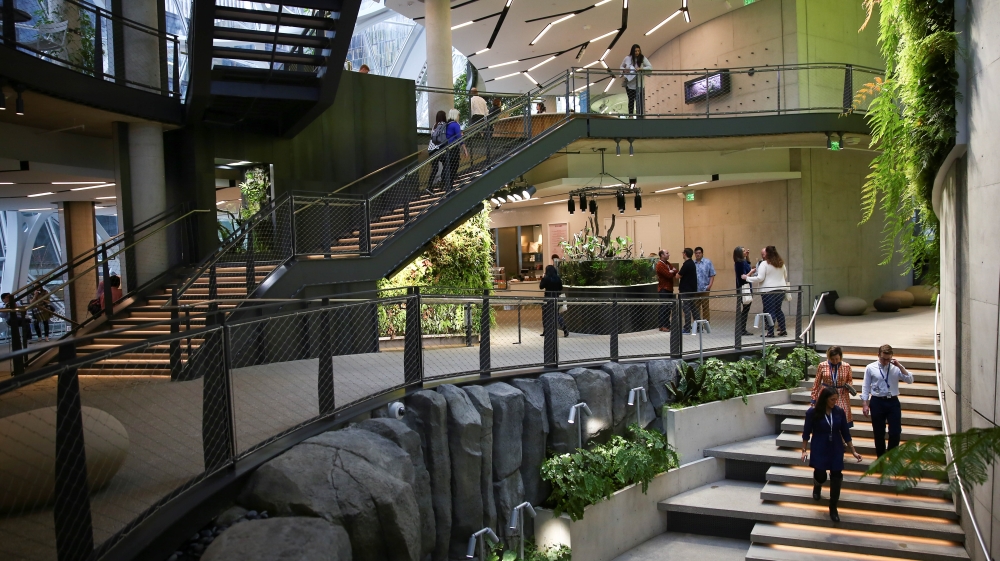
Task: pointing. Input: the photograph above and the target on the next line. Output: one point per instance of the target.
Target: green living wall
(457, 263)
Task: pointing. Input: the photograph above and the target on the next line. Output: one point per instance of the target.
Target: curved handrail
(947, 429)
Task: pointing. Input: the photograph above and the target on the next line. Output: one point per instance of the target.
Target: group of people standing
(694, 278)
(827, 429)
(447, 131)
(19, 323)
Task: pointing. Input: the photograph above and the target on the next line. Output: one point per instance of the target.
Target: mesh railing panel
(515, 338)
(329, 225)
(450, 335)
(589, 326)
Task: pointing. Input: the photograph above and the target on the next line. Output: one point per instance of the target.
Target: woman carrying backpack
(439, 137)
(454, 133)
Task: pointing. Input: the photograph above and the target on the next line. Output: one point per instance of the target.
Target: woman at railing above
(632, 68)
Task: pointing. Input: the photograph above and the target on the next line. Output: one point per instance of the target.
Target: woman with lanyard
(835, 374)
(826, 426)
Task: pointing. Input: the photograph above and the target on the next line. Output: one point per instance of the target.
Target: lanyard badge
(829, 421)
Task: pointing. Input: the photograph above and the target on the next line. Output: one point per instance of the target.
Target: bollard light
(635, 397)
(574, 416)
(480, 537)
(517, 522)
(701, 326)
(763, 321)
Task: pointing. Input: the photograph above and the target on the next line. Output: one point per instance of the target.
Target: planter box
(693, 429)
(628, 518)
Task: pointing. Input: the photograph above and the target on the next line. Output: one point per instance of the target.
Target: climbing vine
(912, 118)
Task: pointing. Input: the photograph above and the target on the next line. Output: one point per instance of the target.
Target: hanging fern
(912, 118)
(974, 451)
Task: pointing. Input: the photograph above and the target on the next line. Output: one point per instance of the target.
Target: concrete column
(147, 198)
(437, 25)
(142, 49)
(78, 231)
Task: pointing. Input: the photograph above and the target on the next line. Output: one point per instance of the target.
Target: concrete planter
(628, 518)
(693, 429)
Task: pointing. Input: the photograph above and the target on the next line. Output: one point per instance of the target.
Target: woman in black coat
(742, 266)
(553, 287)
(827, 426)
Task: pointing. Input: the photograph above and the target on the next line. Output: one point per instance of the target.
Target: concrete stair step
(912, 418)
(907, 402)
(920, 376)
(741, 500)
(862, 429)
(773, 552)
(835, 540)
(871, 501)
(920, 389)
(124, 371)
(803, 475)
(908, 361)
(864, 446)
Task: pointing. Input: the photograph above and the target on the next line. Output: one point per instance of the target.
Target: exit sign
(748, 2)
(689, 196)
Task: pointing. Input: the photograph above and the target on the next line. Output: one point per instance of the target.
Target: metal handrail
(947, 429)
(815, 312)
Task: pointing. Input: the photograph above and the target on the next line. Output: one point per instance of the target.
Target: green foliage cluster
(973, 453)
(255, 188)
(586, 477)
(458, 263)
(462, 100)
(590, 245)
(715, 380)
(912, 117)
(532, 552)
(80, 39)
(617, 272)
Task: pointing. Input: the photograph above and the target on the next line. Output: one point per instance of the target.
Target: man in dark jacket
(688, 276)
(553, 287)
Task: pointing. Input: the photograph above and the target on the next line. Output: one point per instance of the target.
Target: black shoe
(565, 332)
(834, 516)
(783, 334)
(816, 492)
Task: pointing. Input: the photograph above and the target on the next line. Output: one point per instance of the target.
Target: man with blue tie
(880, 397)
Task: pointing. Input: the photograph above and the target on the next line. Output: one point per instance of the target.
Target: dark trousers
(836, 477)
(772, 305)
(451, 160)
(473, 120)
(690, 308)
(666, 309)
(39, 324)
(886, 411)
(743, 317)
(634, 100)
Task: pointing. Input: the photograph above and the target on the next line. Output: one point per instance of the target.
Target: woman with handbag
(632, 68)
(824, 437)
(439, 138)
(836, 375)
(741, 263)
(553, 287)
(771, 280)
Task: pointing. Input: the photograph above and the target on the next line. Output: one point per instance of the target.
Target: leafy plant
(687, 386)
(255, 188)
(589, 245)
(79, 39)
(498, 552)
(974, 451)
(587, 477)
(912, 117)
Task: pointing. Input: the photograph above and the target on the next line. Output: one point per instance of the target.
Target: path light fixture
(763, 321)
(702, 326)
(575, 416)
(635, 397)
(517, 523)
(480, 537)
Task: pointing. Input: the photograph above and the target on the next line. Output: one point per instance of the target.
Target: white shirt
(881, 381)
(630, 70)
(477, 105)
(768, 277)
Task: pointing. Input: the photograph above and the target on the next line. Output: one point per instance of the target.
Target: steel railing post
(848, 88)
(586, 109)
(550, 330)
(570, 76)
(98, 45)
(413, 360)
(485, 361)
(798, 316)
(324, 382)
(213, 294)
(72, 515)
(708, 97)
(615, 326)
(175, 344)
(187, 328)
(364, 232)
(292, 227)
(676, 346)
(251, 268)
(779, 91)
(740, 323)
(218, 439)
(328, 230)
(177, 68)
(468, 324)
(109, 303)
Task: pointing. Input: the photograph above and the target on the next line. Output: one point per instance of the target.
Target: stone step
(772, 552)
(763, 450)
(915, 389)
(858, 374)
(793, 440)
(868, 543)
(741, 500)
(912, 418)
(125, 371)
(870, 501)
(908, 362)
(862, 429)
(906, 402)
(803, 475)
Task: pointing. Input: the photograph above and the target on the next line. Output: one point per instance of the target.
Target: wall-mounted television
(698, 89)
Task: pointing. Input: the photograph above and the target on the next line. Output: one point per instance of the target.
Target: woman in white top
(631, 67)
(769, 279)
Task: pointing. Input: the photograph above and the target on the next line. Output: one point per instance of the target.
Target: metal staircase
(269, 67)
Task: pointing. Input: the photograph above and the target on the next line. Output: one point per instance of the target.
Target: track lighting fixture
(618, 147)
(572, 205)
(638, 201)
(583, 201)
(593, 206)
(19, 104)
(631, 150)
(620, 199)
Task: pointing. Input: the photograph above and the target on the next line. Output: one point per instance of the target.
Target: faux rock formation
(351, 477)
(295, 538)
(594, 387)
(481, 400)
(623, 379)
(508, 418)
(408, 439)
(534, 436)
(560, 396)
(661, 373)
(464, 436)
(509, 493)
(427, 414)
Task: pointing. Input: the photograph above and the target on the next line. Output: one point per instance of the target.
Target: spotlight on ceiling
(593, 206)
(631, 150)
(620, 199)
(583, 201)
(19, 104)
(638, 201)
(618, 147)
(572, 205)
(528, 192)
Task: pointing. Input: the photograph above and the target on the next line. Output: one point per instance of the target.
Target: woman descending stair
(768, 494)
(827, 424)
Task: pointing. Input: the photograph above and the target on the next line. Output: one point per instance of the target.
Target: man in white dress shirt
(477, 111)
(880, 397)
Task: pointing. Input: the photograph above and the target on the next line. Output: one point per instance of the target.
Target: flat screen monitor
(698, 89)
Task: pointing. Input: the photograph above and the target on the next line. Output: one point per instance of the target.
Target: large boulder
(923, 295)
(508, 418)
(427, 414)
(534, 436)
(481, 400)
(465, 430)
(352, 477)
(623, 380)
(560, 396)
(509, 493)
(850, 306)
(296, 538)
(594, 387)
(408, 439)
(905, 297)
(886, 304)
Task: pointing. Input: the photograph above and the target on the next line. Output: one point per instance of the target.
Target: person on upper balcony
(632, 68)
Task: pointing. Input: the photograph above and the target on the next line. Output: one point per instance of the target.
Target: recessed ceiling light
(92, 187)
(699, 183)
(33, 209)
(670, 189)
(41, 194)
(554, 202)
(6, 183)
(461, 25)
(104, 198)
(76, 182)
